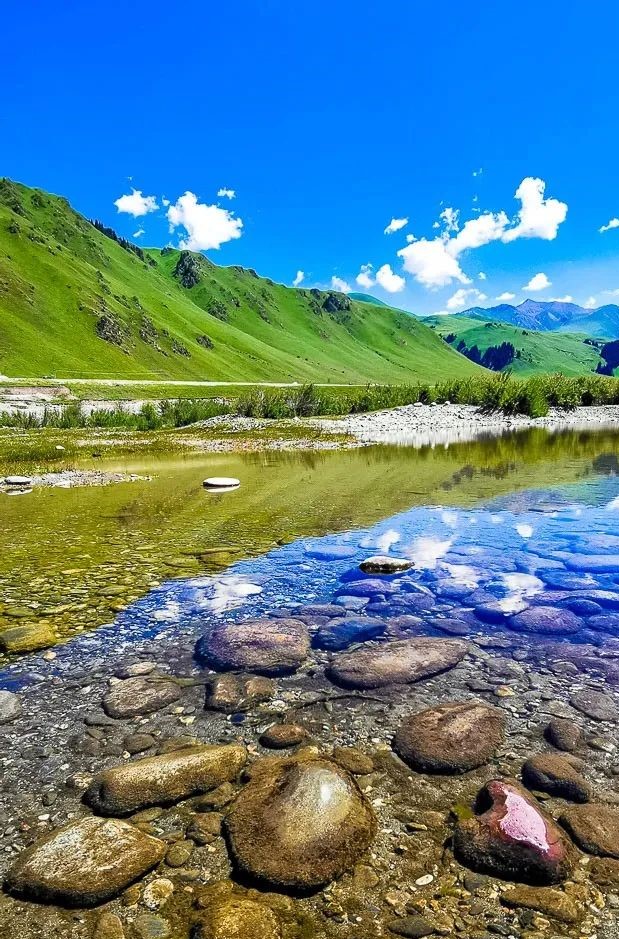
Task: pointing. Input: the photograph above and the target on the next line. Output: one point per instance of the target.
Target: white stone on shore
(18, 480)
(221, 483)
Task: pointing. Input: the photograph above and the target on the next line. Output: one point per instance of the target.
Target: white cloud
(591, 303)
(613, 223)
(300, 277)
(565, 299)
(226, 193)
(389, 281)
(462, 298)
(431, 264)
(338, 284)
(165, 202)
(364, 278)
(506, 297)
(479, 231)
(538, 217)
(207, 226)
(450, 219)
(136, 204)
(138, 233)
(395, 225)
(537, 282)
(478, 172)
(410, 239)
(482, 276)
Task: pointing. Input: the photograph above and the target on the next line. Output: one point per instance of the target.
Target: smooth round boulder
(400, 662)
(133, 696)
(237, 918)
(594, 828)
(563, 734)
(512, 837)
(340, 632)
(221, 482)
(299, 824)
(265, 646)
(18, 481)
(10, 706)
(451, 738)
(595, 704)
(554, 774)
(281, 736)
(547, 620)
(383, 564)
(87, 862)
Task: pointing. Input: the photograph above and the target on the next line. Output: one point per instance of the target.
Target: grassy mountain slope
(534, 352)
(75, 301)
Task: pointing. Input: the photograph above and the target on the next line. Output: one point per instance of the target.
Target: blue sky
(327, 121)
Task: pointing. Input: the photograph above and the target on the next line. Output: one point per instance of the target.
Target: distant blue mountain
(552, 316)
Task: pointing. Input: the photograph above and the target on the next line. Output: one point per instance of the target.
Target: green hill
(367, 298)
(500, 346)
(77, 301)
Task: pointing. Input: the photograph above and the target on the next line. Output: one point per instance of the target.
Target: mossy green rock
(165, 779)
(299, 823)
(28, 638)
(238, 918)
(86, 863)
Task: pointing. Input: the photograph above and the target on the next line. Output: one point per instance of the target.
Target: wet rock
(545, 619)
(353, 760)
(233, 694)
(136, 670)
(165, 779)
(151, 926)
(237, 918)
(454, 627)
(299, 824)
(26, 638)
(367, 588)
(266, 646)
(134, 696)
(595, 563)
(280, 736)
(205, 827)
(179, 854)
(594, 828)
(400, 662)
(10, 706)
(157, 893)
(595, 704)
(512, 837)
(451, 738)
(604, 871)
(109, 926)
(555, 775)
(340, 633)
(215, 799)
(544, 900)
(413, 927)
(383, 564)
(563, 734)
(605, 622)
(88, 862)
(138, 743)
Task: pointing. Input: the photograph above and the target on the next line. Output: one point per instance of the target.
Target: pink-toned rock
(513, 838)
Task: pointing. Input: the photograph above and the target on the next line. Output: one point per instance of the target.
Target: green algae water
(73, 558)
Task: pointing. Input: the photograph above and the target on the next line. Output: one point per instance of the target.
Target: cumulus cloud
(341, 285)
(136, 204)
(462, 298)
(207, 226)
(482, 276)
(395, 225)
(450, 219)
(138, 233)
(479, 231)
(538, 217)
(538, 282)
(431, 264)
(565, 299)
(506, 297)
(591, 303)
(388, 280)
(613, 223)
(226, 193)
(299, 278)
(365, 277)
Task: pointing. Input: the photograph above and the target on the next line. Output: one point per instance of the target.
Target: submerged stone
(544, 900)
(233, 693)
(299, 824)
(383, 564)
(280, 736)
(554, 774)
(400, 662)
(163, 780)
(265, 646)
(594, 828)
(451, 738)
(237, 918)
(342, 632)
(133, 696)
(545, 619)
(563, 734)
(513, 837)
(595, 704)
(10, 706)
(88, 862)
(28, 638)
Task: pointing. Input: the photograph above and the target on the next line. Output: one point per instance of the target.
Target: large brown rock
(512, 837)
(451, 738)
(594, 828)
(88, 862)
(165, 779)
(554, 774)
(265, 646)
(237, 918)
(232, 693)
(595, 704)
(299, 823)
(139, 696)
(400, 662)
(544, 900)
